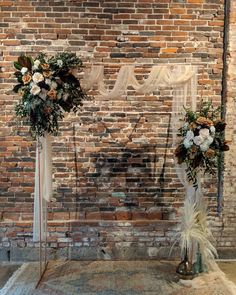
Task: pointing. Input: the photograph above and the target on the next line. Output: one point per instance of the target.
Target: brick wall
(115, 188)
(229, 216)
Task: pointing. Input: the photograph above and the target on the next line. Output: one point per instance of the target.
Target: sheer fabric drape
(43, 186)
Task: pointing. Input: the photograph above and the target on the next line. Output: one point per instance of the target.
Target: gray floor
(229, 268)
(6, 271)
(110, 278)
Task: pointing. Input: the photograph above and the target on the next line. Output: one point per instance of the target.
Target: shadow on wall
(128, 179)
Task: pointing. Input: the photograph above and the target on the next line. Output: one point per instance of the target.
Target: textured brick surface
(229, 217)
(112, 163)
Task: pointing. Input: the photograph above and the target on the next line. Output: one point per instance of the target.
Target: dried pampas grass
(195, 234)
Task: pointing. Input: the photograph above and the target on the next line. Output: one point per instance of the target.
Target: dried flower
(204, 121)
(26, 78)
(45, 66)
(192, 125)
(210, 153)
(52, 94)
(47, 74)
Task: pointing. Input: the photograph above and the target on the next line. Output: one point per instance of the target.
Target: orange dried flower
(193, 152)
(192, 125)
(26, 78)
(204, 121)
(45, 66)
(47, 74)
(52, 94)
(210, 153)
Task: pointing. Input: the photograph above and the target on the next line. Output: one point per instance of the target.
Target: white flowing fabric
(43, 186)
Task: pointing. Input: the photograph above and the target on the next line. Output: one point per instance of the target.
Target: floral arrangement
(202, 141)
(48, 88)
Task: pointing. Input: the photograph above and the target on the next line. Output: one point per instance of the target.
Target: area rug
(23, 281)
(129, 278)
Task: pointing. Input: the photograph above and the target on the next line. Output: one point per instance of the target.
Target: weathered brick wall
(112, 165)
(228, 233)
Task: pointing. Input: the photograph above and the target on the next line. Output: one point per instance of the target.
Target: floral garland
(48, 88)
(202, 141)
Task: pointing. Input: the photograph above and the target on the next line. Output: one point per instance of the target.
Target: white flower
(48, 81)
(53, 85)
(60, 63)
(36, 64)
(37, 77)
(190, 135)
(35, 89)
(204, 147)
(212, 129)
(204, 133)
(186, 124)
(187, 143)
(209, 140)
(198, 140)
(24, 70)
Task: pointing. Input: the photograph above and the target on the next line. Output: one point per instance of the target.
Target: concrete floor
(6, 271)
(229, 268)
(118, 278)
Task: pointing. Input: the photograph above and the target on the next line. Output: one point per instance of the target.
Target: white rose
(190, 135)
(212, 129)
(187, 143)
(24, 70)
(48, 81)
(35, 89)
(37, 77)
(60, 63)
(53, 85)
(209, 140)
(198, 140)
(204, 147)
(204, 132)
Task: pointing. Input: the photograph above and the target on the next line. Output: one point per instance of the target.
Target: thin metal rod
(41, 276)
